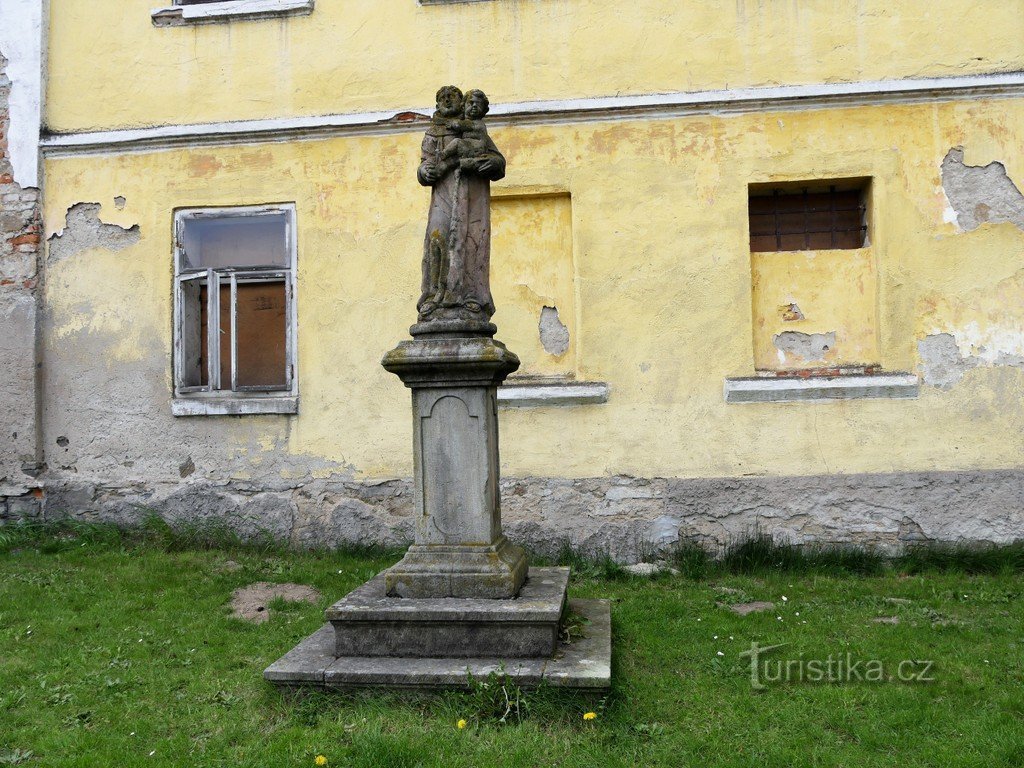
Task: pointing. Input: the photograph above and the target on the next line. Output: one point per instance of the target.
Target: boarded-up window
(234, 301)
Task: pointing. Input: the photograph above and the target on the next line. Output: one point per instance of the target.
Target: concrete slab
(583, 664)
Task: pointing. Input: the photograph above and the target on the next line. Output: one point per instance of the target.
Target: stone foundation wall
(626, 517)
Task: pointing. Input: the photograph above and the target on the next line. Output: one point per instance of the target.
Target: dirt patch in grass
(252, 603)
(742, 609)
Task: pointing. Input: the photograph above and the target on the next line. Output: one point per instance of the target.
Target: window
(234, 333)
(813, 278)
(788, 219)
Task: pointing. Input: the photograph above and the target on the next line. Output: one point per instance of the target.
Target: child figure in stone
(473, 144)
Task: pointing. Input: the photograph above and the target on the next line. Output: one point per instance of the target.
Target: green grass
(116, 647)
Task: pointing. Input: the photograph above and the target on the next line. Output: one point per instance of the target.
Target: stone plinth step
(583, 664)
(369, 623)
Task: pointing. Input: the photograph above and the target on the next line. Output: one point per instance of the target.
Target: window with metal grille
(808, 216)
(234, 301)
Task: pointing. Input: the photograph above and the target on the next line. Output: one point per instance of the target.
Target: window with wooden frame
(234, 319)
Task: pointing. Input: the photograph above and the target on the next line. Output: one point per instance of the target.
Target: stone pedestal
(460, 550)
(462, 601)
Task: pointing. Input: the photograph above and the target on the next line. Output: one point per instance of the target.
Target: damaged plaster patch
(84, 230)
(980, 194)
(810, 347)
(791, 313)
(553, 333)
(943, 364)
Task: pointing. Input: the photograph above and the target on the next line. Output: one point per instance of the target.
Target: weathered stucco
(21, 44)
(348, 56)
(980, 194)
(19, 246)
(627, 518)
(621, 254)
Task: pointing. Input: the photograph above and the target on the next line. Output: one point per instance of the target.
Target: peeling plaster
(84, 230)
(21, 43)
(554, 336)
(811, 347)
(979, 194)
(943, 364)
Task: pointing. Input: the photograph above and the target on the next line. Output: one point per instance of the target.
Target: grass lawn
(119, 653)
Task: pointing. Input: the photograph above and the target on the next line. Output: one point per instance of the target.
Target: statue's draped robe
(460, 215)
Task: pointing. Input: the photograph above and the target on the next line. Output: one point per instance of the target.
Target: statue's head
(449, 101)
(477, 104)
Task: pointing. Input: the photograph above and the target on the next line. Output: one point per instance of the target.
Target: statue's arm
(426, 174)
(492, 165)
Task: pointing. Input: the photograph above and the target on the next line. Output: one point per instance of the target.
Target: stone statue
(459, 161)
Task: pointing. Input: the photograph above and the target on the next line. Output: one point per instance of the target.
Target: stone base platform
(584, 664)
(369, 623)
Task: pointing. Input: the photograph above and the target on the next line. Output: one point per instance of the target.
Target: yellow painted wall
(835, 291)
(662, 287)
(533, 268)
(110, 67)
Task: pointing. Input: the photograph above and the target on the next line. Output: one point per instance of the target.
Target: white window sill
(758, 389)
(518, 394)
(232, 406)
(229, 10)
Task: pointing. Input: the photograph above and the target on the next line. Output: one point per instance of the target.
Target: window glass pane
(193, 333)
(225, 336)
(217, 242)
(261, 326)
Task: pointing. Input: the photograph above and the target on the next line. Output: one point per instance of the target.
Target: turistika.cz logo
(843, 668)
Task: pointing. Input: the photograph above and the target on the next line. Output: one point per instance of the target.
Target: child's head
(476, 104)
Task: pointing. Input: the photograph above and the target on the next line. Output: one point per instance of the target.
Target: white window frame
(217, 398)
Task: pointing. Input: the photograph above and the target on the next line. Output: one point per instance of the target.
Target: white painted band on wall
(654, 106)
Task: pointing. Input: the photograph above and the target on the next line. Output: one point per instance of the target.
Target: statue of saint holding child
(459, 161)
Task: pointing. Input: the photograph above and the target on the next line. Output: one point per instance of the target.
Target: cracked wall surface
(84, 230)
(980, 194)
(648, 263)
(806, 347)
(20, 226)
(554, 336)
(977, 329)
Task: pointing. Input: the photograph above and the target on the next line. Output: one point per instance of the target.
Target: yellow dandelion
(590, 715)
(461, 724)
(320, 760)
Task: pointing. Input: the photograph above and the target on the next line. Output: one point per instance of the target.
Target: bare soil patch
(252, 603)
